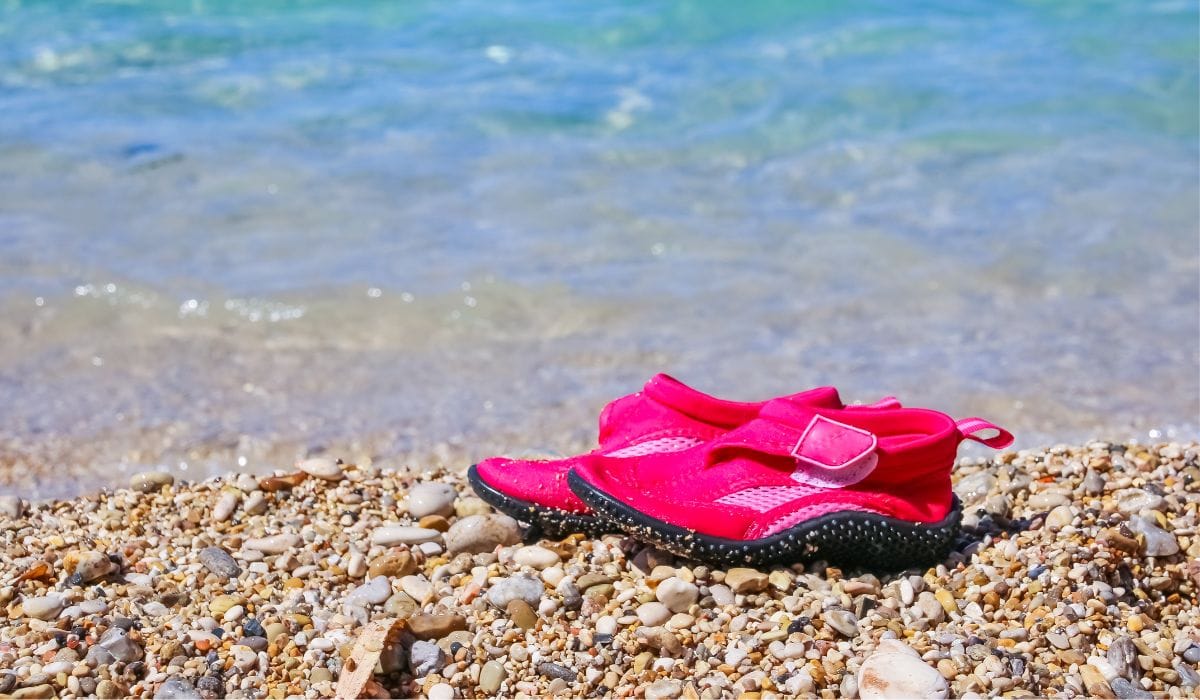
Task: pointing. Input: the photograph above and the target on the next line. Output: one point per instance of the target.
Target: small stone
(434, 522)
(675, 593)
(401, 604)
(8, 681)
(522, 614)
(435, 626)
(1122, 688)
(1113, 538)
(973, 488)
(147, 482)
(227, 502)
(535, 557)
(513, 588)
(44, 607)
(1059, 517)
(393, 563)
(373, 592)
(1192, 654)
(1058, 640)
(322, 468)
(116, 641)
(664, 689)
(107, 690)
(176, 688)
(320, 674)
(1047, 500)
(894, 670)
(1122, 656)
(256, 503)
(221, 604)
(855, 587)
(1136, 501)
(431, 499)
(553, 670)
(1093, 483)
(930, 607)
(946, 598)
(425, 658)
(244, 658)
(275, 544)
(1157, 542)
(12, 507)
(357, 566)
(440, 691)
(721, 594)
(843, 621)
(44, 690)
(467, 506)
(482, 533)
(653, 614)
(220, 562)
(593, 579)
(234, 614)
(1095, 682)
(743, 580)
(491, 677)
(392, 535)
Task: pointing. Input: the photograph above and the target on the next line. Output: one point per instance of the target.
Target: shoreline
(1076, 574)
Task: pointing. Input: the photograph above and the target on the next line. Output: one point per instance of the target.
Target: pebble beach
(1076, 574)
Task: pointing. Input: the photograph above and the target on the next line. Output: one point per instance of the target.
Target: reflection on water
(399, 231)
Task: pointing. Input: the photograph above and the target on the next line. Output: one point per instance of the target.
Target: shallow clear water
(247, 231)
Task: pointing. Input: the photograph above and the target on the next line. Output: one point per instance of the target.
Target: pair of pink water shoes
(794, 478)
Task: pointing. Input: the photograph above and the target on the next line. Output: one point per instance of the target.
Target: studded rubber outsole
(553, 522)
(847, 538)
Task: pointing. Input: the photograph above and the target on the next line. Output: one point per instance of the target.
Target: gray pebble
(1124, 689)
(425, 658)
(7, 682)
(178, 689)
(1122, 655)
(220, 562)
(552, 670)
(843, 621)
(117, 642)
(1192, 654)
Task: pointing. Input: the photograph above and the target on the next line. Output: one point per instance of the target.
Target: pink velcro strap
(993, 436)
(832, 445)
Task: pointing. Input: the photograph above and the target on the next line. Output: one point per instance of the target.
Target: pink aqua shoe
(666, 416)
(799, 482)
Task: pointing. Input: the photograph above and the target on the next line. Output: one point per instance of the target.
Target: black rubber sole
(549, 521)
(846, 538)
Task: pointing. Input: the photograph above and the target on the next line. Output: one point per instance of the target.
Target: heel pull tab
(985, 432)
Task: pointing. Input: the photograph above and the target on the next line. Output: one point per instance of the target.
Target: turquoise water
(246, 231)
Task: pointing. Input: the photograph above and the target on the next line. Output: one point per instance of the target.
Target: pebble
(743, 580)
(675, 593)
(1095, 682)
(895, 670)
(373, 592)
(653, 614)
(148, 482)
(227, 502)
(116, 641)
(843, 621)
(322, 468)
(553, 670)
(1122, 688)
(518, 587)
(1158, 542)
(425, 658)
(535, 557)
(431, 499)
(475, 534)
(44, 607)
(417, 587)
(721, 594)
(491, 676)
(220, 562)
(393, 563)
(1136, 501)
(392, 535)
(176, 688)
(522, 614)
(1059, 517)
(275, 544)
(663, 689)
(12, 506)
(440, 691)
(435, 626)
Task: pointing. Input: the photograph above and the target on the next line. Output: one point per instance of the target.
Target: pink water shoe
(666, 417)
(800, 481)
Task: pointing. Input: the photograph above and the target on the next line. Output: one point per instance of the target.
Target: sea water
(234, 233)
